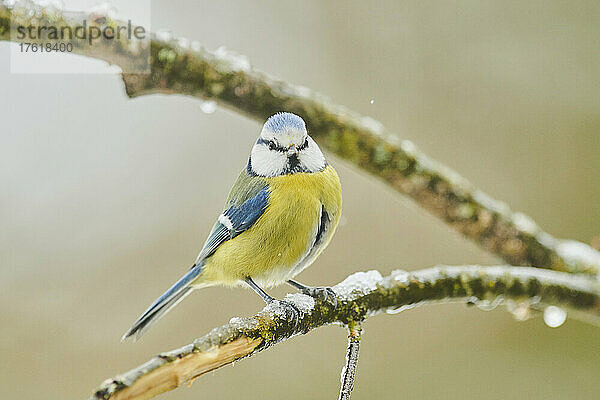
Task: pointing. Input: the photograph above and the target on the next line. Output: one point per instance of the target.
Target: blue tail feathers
(165, 302)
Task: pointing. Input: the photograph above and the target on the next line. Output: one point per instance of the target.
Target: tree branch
(349, 370)
(361, 295)
(229, 80)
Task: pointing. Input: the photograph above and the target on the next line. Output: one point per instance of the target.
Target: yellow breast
(277, 242)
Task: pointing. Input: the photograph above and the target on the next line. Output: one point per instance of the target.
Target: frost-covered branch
(349, 370)
(181, 67)
(363, 294)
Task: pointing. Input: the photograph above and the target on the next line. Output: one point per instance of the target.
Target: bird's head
(284, 147)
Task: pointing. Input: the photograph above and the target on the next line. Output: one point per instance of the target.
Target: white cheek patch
(266, 162)
(311, 157)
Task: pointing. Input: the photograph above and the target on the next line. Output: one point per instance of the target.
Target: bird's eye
(303, 145)
(272, 145)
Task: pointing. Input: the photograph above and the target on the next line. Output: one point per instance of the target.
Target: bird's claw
(323, 293)
(291, 310)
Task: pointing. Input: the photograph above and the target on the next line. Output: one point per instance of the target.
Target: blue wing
(235, 220)
(247, 201)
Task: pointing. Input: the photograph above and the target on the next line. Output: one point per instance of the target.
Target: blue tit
(280, 215)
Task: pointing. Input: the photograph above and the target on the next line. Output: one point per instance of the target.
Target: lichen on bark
(360, 296)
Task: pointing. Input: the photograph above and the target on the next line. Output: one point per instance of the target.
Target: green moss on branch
(365, 294)
(228, 79)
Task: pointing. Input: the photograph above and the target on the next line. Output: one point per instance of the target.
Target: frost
(409, 147)
(406, 307)
(52, 4)
(195, 45)
(358, 284)
(525, 274)
(184, 43)
(38, 5)
(373, 125)
(234, 61)
(244, 323)
(208, 107)
(105, 9)
(401, 276)
(524, 223)
(26, 8)
(275, 310)
(461, 184)
(432, 274)
(303, 302)
(164, 34)
(425, 163)
(300, 91)
(303, 91)
(546, 239)
(575, 252)
(554, 316)
(488, 305)
(490, 203)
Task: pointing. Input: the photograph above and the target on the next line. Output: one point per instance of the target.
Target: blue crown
(284, 120)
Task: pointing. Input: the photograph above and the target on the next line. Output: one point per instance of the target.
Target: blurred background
(105, 201)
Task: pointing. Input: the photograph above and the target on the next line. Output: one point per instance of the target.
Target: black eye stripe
(262, 141)
(303, 145)
(271, 144)
(274, 146)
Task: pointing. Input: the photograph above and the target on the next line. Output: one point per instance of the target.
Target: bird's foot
(292, 313)
(322, 293)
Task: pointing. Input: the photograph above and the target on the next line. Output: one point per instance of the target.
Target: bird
(281, 213)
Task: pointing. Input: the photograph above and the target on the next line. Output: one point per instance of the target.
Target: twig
(349, 370)
(359, 296)
(229, 79)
